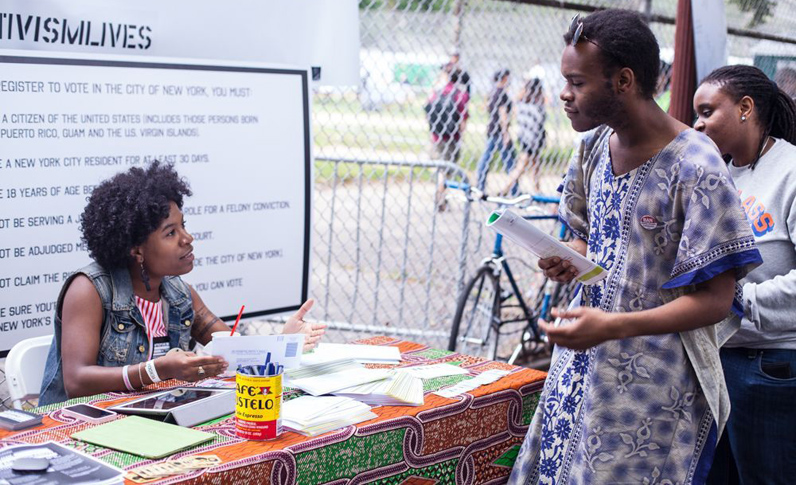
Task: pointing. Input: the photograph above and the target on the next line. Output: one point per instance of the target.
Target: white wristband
(151, 371)
(126, 379)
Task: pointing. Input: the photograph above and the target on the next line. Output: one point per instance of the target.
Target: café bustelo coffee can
(258, 406)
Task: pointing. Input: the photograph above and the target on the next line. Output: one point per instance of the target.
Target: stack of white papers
(321, 368)
(486, 377)
(433, 371)
(329, 377)
(364, 354)
(312, 416)
(400, 389)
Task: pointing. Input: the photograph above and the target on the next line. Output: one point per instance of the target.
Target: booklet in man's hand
(543, 245)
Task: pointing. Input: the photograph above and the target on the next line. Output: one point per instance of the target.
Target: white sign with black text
(322, 34)
(238, 133)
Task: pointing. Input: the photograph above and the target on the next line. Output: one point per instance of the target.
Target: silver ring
(201, 370)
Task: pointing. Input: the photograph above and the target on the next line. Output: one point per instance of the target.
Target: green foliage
(762, 10)
(370, 4)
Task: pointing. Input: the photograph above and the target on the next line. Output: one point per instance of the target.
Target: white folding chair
(25, 368)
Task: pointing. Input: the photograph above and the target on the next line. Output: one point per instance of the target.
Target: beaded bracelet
(127, 379)
(151, 371)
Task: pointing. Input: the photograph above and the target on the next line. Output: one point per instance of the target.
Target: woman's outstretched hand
(312, 331)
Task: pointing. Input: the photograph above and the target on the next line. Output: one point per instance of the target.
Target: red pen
(237, 321)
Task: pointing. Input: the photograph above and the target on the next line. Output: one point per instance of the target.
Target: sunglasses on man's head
(576, 27)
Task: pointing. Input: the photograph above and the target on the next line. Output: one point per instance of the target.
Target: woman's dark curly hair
(125, 209)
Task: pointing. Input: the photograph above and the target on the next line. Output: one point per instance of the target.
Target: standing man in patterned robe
(635, 392)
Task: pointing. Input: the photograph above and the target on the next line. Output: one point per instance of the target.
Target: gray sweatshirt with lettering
(768, 196)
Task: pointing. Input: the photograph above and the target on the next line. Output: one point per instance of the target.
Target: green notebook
(143, 437)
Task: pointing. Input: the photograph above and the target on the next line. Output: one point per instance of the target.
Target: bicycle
(485, 310)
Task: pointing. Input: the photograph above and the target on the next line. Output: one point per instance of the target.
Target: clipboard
(143, 437)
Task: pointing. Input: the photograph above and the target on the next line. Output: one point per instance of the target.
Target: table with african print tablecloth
(472, 438)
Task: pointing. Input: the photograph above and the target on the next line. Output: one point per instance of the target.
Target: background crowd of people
(447, 111)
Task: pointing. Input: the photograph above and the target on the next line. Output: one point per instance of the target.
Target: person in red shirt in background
(447, 115)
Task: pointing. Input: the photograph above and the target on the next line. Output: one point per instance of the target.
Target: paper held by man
(543, 245)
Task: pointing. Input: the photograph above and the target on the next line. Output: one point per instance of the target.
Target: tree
(763, 9)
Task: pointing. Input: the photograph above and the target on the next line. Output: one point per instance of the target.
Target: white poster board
(240, 135)
(710, 36)
(323, 34)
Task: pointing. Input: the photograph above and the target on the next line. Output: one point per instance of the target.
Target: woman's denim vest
(123, 337)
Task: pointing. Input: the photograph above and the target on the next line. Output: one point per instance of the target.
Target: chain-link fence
(762, 33)
(413, 53)
(386, 259)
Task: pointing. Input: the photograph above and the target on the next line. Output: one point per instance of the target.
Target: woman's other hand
(312, 331)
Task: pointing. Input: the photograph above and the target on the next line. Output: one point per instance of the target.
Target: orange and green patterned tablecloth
(473, 438)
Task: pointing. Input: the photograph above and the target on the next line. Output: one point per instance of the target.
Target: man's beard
(605, 110)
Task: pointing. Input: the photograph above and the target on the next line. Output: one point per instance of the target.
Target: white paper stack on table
(403, 388)
(364, 354)
(312, 416)
(486, 377)
(400, 389)
(433, 371)
(328, 377)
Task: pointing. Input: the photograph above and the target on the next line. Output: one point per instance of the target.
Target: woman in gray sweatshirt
(753, 122)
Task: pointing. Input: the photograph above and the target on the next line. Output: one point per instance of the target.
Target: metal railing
(385, 259)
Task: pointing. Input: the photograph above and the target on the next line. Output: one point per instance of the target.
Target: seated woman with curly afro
(128, 319)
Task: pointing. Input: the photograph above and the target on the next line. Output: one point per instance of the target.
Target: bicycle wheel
(532, 349)
(477, 318)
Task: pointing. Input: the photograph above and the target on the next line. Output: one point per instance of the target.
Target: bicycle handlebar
(474, 193)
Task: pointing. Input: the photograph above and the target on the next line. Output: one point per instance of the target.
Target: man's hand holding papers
(544, 246)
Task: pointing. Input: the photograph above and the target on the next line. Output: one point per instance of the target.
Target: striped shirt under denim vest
(123, 338)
